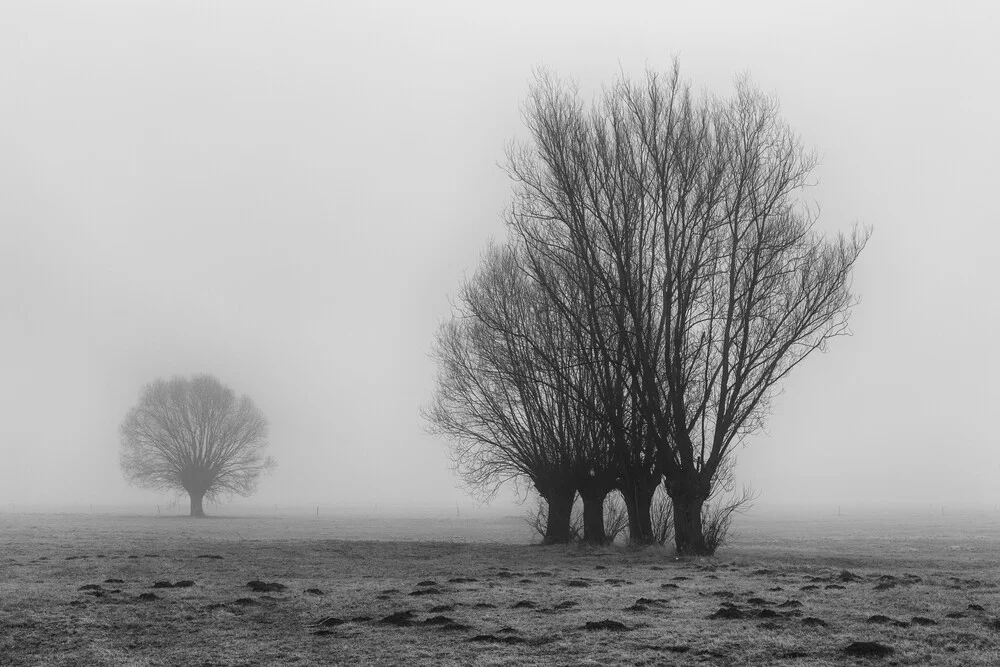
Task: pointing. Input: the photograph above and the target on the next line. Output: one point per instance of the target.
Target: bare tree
(505, 412)
(518, 396)
(706, 281)
(194, 434)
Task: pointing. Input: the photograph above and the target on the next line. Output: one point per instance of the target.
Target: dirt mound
(493, 639)
(399, 618)
(848, 576)
(813, 622)
(442, 607)
(114, 581)
(149, 596)
(90, 587)
(258, 586)
(923, 620)
(209, 556)
(650, 601)
(439, 620)
(450, 627)
(313, 591)
(606, 624)
(163, 584)
(462, 580)
(729, 613)
(568, 604)
(790, 604)
(879, 618)
(578, 583)
(427, 591)
(868, 650)
(524, 604)
(185, 583)
(427, 582)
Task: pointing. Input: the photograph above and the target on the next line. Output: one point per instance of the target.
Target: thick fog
(287, 195)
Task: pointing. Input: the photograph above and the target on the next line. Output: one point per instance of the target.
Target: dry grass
(526, 604)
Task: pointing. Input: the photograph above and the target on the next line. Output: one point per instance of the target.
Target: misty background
(286, 195)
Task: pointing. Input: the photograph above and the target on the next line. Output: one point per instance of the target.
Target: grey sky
(286, 194)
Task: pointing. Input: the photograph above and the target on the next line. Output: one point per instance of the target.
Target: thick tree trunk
(196, 503)
(637, 503)
(593, 517)
(689, 536)
(560, 502)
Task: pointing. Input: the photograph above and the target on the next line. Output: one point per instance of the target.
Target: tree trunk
(560, 507)
(196, 499)
(637, 504)
(593, 517)
(689, 537)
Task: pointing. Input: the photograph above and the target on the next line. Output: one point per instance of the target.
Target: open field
(790, 590)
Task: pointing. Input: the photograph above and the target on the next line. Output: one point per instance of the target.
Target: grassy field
(78, 589)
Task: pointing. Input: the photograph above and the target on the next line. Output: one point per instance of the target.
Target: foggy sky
(286, 195)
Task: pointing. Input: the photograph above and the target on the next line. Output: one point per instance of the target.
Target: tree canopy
(194, 435)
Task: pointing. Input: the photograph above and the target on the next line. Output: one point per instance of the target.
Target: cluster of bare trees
(659, 280)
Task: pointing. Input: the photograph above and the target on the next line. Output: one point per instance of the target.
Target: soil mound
(258, 586)
(606, 624)
(399, 618)
(868, 650)
(729, 613)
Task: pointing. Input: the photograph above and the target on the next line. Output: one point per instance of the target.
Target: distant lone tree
(194, 435)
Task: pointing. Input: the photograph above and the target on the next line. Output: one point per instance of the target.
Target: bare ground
(86, 590)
